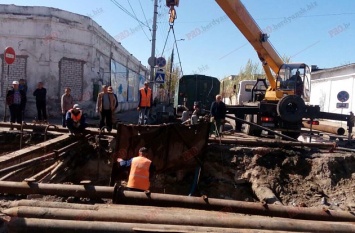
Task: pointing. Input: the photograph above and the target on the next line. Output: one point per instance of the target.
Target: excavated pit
(296, 176)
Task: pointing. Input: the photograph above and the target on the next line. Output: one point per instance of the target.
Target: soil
(297, 176)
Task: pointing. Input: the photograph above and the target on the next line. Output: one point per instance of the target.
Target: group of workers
(141, 167)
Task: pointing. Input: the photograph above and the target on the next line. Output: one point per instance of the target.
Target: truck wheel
(251, 129)
(291, 108)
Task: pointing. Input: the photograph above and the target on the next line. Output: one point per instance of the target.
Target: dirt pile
(298, 177)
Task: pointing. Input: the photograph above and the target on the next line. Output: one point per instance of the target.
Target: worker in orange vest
(145, 102)
(75, 120)
(141, 170)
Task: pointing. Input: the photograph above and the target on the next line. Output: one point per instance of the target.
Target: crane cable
(177, 49)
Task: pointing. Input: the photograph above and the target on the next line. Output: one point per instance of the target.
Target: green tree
(250, 71)
(171, 78)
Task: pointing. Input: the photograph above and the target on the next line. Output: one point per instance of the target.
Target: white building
(63, 49)
(326, 85)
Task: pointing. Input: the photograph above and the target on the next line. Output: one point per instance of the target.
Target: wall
(326, 84)
(61, 49)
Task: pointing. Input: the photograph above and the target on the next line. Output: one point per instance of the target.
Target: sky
(316, 32)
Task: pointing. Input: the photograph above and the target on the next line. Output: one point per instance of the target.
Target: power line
(144, 15)
(138, 20)
(128, 13)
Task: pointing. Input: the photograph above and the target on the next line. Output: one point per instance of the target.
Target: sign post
(160, 76)
(9, 57)
(342, 96)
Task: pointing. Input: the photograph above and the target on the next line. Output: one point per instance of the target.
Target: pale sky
(316, 32)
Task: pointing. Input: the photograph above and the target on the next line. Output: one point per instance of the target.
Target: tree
(286, 59)
(250, 71)
(171, 79)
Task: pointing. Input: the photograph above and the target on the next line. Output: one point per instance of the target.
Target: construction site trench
(273, 174)
(297, 176)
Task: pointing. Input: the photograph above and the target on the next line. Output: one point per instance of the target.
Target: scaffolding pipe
(156, 199)
(163, 216)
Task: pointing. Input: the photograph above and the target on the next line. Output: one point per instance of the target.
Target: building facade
(63, 49)
(328, 83)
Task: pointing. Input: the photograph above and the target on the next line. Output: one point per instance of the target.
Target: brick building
(63, 49)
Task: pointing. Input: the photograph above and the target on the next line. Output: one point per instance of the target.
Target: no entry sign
(9, 55)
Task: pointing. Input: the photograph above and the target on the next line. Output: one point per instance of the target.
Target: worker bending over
(141, 171)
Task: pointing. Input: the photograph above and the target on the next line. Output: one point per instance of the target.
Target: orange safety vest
(145, 97)
(139, 174)
(77, 117)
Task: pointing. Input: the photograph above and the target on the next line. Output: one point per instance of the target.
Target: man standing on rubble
(141, 171)
(145, 102)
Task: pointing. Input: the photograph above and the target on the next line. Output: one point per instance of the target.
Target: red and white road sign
(9, 55)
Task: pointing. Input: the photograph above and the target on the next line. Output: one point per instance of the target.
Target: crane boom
(239, 15)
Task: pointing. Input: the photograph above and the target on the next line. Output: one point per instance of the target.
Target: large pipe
(25, 225)
(156, 199)
(65, 190)
(163, 216)
(326, 128)
(274, 143)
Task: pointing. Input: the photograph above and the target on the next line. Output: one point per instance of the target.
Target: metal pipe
(326, 128)
(274, 143)
(65, 190)
(25, 225)
(8, 175)
(156, 199)
(163, 216)
(27, 163)
(262, 127)
(43, 172)
(60, 130)
(46, 130)
(21, 134)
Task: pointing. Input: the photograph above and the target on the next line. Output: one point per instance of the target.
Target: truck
(198, 88)
(284, 104)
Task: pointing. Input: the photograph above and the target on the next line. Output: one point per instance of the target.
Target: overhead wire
(140, 4)
(129, 3)
(127, 12)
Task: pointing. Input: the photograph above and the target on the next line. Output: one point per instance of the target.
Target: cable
(144, 14)
(128, 13)
(166, 40)
(177, 50)
(138, 21)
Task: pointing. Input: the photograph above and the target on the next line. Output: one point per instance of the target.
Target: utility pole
(154, 40)
(171, 71)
